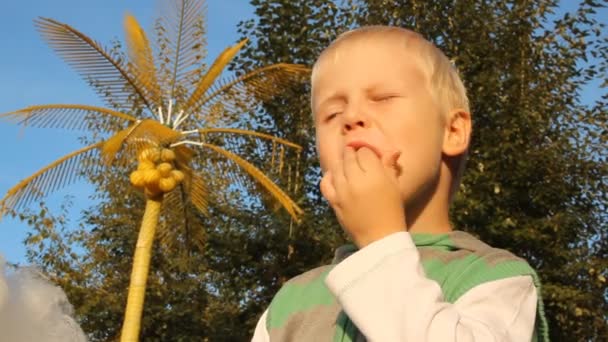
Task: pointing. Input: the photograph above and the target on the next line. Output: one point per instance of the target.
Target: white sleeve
(261, 334)
(384, 291)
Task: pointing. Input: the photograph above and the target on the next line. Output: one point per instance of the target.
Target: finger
(351, 164)
(337, 169)
(393, 164)
(368, 159)
(327, 188)
(392, 159)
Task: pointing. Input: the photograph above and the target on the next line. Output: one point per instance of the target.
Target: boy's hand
(365, 195)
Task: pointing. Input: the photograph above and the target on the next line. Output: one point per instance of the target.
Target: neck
(430, 213)
(432, 220)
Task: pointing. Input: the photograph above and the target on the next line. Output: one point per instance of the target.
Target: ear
(457, 132)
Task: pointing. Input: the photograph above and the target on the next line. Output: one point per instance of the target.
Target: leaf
(62, 115)
(181, 34)
(126, 145)
(113, 145)
(183, 155)
(265, 151)
(290, 206)
(204, 131)
(152, 132)
(176, 223)
(52, 177)
(216, 69)
(142, 60)
(237, 94)
(180, 230)
(198, 193)
(93, 62)
(173, 203)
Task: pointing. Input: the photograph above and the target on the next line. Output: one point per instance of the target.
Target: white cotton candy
(34, 309)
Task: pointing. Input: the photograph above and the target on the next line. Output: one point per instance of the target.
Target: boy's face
(372, 93)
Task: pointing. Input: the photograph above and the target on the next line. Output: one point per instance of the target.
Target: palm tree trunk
(139, 273)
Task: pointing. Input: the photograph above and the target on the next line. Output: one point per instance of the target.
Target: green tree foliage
(535, 182)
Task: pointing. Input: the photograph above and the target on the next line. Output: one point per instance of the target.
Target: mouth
(358, 144)
(391, 159)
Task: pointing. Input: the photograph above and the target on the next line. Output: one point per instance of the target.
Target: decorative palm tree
(166, 110)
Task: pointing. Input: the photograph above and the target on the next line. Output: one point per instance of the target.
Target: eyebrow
(334, 97)
(374, 88)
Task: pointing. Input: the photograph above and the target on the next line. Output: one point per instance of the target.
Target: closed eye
(331, 116)
(384, 98)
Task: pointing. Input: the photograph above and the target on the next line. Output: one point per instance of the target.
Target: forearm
(261, 333)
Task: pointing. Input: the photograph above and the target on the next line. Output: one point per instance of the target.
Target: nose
(354, 119)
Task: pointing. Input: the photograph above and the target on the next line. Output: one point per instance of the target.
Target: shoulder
(310, 276)
(301, 293)
(471, 262)
(483, 253)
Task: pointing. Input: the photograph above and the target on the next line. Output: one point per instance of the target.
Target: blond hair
(444, 81)
(446, 85)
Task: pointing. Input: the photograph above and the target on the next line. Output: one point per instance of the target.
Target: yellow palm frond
(204, 131)
(181, 41)
(152, 133)
(174, 217)
(93, 63)
(198, 193)
(113, 145)
(140, 55)
(62, 115)
(183, 155)
(54, 176)
(214, 71)
(290, 206)
(238, 94)
(124, 147)
(266, 151)
(194, 188)
(180, 228)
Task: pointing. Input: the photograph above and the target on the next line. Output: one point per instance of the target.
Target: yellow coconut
(164, 169)
(167, 155)
(146, 165)
(151, 154)
(177, 175)
(137, 178)
(167, 184)
(151, 177)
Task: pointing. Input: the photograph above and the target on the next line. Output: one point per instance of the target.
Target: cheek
(328, 150)
(423, 125)
(328, 157)
(419, 141)
(420, 159)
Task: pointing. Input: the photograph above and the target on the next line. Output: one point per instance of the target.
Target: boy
(393, 126)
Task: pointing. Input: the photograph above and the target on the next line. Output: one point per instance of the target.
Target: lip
(357, 144)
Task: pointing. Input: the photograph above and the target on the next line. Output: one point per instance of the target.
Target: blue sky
(32, 73)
